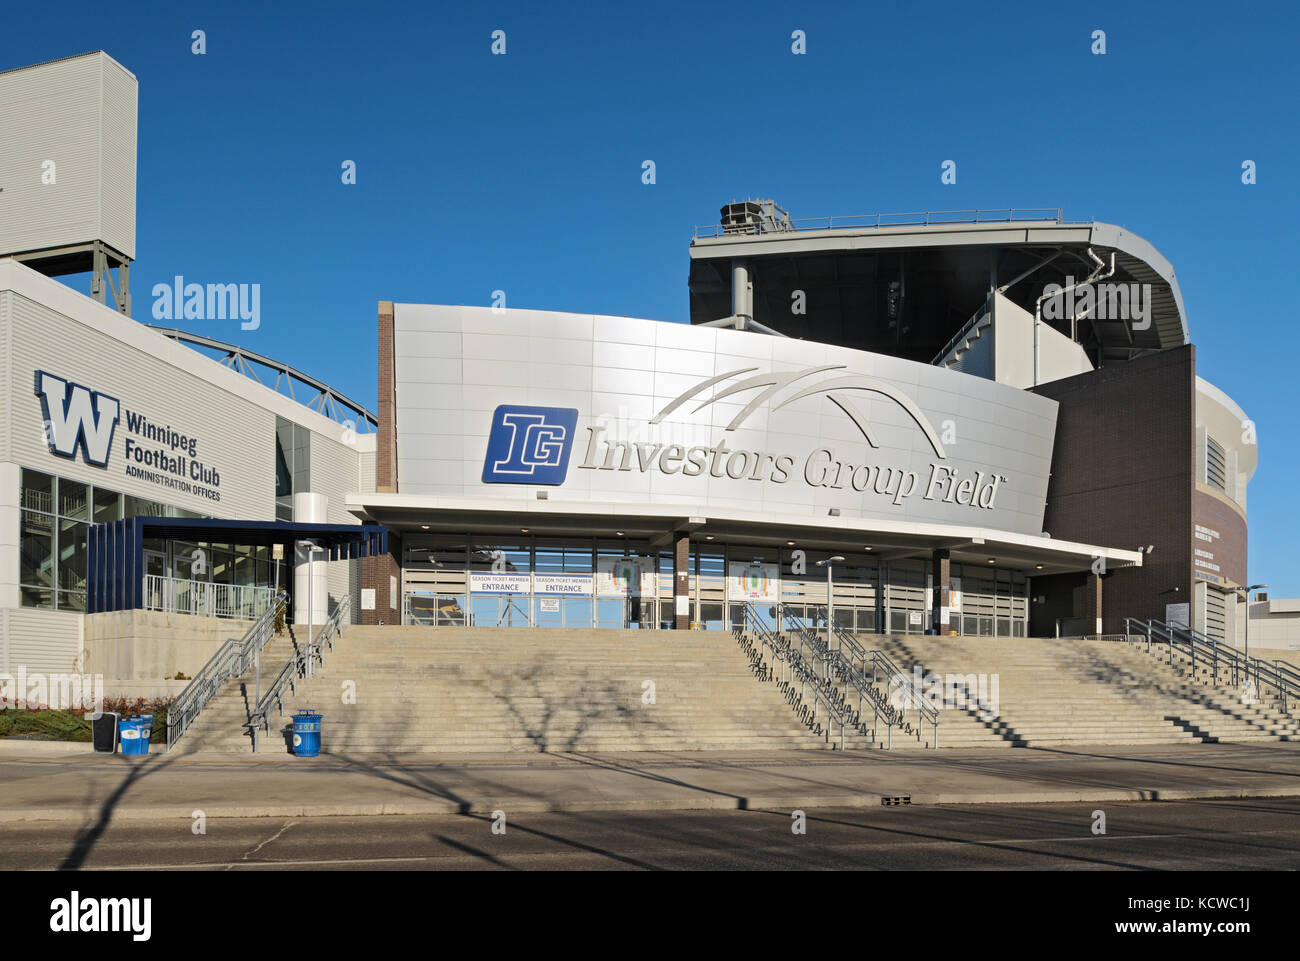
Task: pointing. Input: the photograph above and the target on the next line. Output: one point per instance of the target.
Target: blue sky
(523, 172)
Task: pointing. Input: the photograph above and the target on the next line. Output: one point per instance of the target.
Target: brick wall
(386, 455)
(375, 574)
(377, 571)
(1123, 475)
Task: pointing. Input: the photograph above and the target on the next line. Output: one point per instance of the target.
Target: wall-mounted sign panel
(499, 583)
(753, 582)
(619, 410)
(572, 585)
(623, 576)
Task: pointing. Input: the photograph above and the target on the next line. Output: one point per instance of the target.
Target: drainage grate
(902, 799)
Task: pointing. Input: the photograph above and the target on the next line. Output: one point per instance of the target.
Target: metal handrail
(1216, 656)
(913, 219)
(882, 665)
(796, 665)
(231, 660)
(178, 595)
(853, 675)
(302, 664)
(965, 329)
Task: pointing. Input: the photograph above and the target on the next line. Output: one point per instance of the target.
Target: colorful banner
(753, 582)
(621, 576)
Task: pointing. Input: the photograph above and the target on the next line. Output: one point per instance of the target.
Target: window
(55, 520)
(52, 565)
(108, 506)
(292, 465)
(36, 567)
(38, 491)
(1216, 465)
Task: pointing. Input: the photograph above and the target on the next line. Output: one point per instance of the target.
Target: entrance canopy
(115, 551)
(892, 540)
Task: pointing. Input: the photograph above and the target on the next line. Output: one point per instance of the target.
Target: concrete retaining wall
(150, 646)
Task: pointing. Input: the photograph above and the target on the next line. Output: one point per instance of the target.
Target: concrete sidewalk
(89, 788)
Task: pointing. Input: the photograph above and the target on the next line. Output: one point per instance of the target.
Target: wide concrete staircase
(1057, 692)
(421, 689)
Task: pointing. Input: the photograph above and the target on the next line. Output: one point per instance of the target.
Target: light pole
(311, 547)
(830, 594)
(1252, 587)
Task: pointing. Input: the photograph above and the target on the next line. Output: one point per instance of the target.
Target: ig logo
(529, 445)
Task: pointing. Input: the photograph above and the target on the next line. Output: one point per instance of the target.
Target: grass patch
(52, 725)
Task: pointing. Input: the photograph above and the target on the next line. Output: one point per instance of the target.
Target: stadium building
(982, 423)
(993, 419)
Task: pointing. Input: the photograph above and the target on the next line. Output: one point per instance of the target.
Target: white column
(309, 508)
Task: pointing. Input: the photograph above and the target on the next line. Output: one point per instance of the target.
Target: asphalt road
(1231, 835)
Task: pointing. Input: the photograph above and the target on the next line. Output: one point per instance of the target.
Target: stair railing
(796, 663)
(301, 665)
(1219, 658)
(847, 662)
(883, 668)
(231, 660)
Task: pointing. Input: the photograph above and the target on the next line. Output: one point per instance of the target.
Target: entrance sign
(573, 585)
(480, 583)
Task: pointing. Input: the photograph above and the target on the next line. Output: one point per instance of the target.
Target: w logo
(76, 417)
(529, 445)
(839, 390)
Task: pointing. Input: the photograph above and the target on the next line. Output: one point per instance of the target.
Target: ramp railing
(301, 665)
(232, 659)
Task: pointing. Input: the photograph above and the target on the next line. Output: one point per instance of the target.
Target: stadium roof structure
(946, 262)
(327, 401)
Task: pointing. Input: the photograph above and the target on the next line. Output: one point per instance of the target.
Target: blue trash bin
(306, 733)
(133, 734)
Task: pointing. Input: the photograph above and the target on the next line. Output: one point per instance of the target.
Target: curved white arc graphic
(855, 415)
(773, 383)
(871, 384)
(683, 398)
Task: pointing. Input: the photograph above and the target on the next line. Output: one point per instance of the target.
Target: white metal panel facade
(232, 435)
(47, 642)
(455, 365)
(117, 185)
(68, 155)
(46, 326)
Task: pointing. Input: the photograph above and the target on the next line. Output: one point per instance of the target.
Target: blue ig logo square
(529, 445)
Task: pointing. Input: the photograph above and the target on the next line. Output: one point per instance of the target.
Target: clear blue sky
(523, 172)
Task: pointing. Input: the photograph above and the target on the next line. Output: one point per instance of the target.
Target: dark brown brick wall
(386, 455)
(1123, 475)
(375, 572)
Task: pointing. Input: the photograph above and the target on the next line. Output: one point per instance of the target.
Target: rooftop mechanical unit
(67, 170)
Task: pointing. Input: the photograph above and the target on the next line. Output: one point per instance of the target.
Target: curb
(21, 749)
(711, 803)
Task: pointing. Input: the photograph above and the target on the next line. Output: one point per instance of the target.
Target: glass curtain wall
(445, 582)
